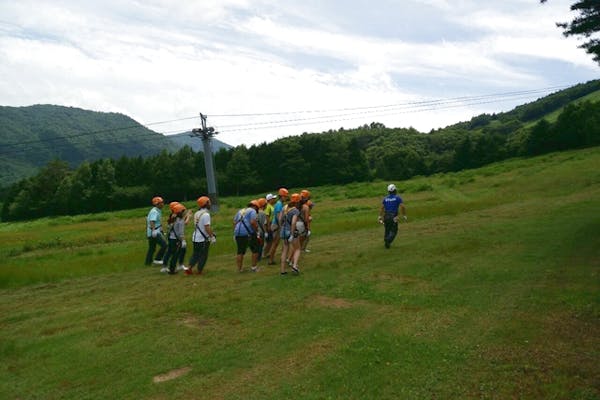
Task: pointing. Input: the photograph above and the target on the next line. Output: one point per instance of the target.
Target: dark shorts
(243, 242)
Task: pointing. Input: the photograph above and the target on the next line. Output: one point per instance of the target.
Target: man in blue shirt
(388, 215)
(245, 230)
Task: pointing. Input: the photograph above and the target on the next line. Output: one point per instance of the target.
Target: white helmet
(391, 188)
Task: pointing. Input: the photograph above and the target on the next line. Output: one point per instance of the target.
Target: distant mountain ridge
(32, 136)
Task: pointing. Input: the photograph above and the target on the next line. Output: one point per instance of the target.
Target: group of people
(266, 222)
(260, 226)
(172, 250)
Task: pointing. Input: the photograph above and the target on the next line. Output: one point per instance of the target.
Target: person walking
(275, 223)
(290, 248)
(388, 214)
(202, 237)
(177, 245)
(154, 232)
(245, 231)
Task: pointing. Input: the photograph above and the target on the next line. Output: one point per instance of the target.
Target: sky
(264, 69)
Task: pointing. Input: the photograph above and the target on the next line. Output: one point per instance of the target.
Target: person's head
(158, 201)
(262, 202)
(178, 209)
(283, 194)
(271, 198)
(295, 199)
(203, 202)
(173, 205)
(305, 194)
(254, 204)
(391, 188)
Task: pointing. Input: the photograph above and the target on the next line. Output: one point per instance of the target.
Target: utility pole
(206, 133)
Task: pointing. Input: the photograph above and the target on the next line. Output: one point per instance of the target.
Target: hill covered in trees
(30, 137)
(564, 120)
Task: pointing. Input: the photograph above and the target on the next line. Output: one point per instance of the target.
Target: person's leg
(162, 243)
(284, 250)
(204, 246)
(242, 244)
(170, 252)
(151, 249)
(254, 245)
(273, 249)
(393, 231)
(194, 258)
(295, 254)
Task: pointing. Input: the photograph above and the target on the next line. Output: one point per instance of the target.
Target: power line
(352, 116)
(531, 91)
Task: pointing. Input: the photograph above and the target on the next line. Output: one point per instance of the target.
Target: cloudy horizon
(265, 69)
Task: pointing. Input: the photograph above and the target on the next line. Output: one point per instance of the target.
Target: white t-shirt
(201, 219)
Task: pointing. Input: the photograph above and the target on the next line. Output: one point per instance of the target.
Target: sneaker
(295, 269)
(172, 272)
(158, 262)
(181, 267)
(255, 269)
(164, 270)
(188, 271)
(283, 273)
(387, 245)
(306, 250)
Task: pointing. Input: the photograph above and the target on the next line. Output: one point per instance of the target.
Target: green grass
(489, 292)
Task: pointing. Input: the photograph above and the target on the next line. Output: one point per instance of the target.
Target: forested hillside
(32, 136)
(335, 157)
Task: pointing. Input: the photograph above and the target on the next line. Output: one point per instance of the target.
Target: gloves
(380, 220)
(396, 219)
(213, 239)
(183, 244)
(405, 218)
(291, 238)
(308, 233)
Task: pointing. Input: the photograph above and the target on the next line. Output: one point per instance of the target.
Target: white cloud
(160, 60)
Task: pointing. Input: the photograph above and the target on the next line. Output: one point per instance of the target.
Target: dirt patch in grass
(194, 322)
(331, 302)
(174, 374)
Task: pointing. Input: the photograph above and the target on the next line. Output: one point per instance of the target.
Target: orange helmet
(172, 205)
(202, 201)
(295, 198)
(177, 208)
(305, 194)
(283, 192)
(262, 202)
(157, 200)
(254, 203)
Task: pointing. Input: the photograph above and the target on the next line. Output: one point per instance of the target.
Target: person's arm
(403, 211)
(381, 213)
(306, 216)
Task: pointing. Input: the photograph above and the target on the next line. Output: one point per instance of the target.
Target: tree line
(335, 157)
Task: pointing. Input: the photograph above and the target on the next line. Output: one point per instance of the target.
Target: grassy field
(491, 291)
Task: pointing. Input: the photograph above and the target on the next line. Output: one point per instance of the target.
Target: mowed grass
(491, 291)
